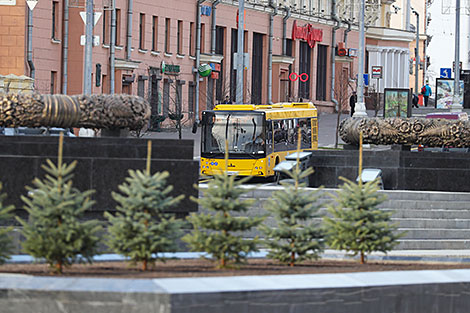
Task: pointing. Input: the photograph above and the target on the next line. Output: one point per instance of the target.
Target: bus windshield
(244, 132)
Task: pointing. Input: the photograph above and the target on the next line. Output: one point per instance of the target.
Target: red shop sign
(307, 33)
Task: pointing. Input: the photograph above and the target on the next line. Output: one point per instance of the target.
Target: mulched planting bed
(204, 268)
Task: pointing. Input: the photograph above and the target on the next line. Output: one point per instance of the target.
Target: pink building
(164, 33)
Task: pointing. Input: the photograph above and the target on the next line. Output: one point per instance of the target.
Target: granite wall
(401, 170)
(102, 164)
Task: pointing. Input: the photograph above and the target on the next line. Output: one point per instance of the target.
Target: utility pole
(456, 106)
(88, 48)
(417, 52)
(112, 49)
(240, 45)
(360, 108)
(407, 16)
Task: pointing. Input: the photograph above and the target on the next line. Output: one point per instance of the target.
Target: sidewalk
(437, 256)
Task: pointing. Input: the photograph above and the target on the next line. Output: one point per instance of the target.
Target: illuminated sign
(307, 33)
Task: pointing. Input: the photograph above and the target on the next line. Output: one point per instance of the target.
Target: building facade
(156, 49)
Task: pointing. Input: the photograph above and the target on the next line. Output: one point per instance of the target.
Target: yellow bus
(258, 136)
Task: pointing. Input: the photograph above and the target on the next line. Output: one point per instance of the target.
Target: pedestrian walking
(352, 102)
(426, 92)
(415, 101)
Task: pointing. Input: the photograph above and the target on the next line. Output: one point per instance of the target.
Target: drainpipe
(333, 43)
(346, 33)
(112, 49)
(270, 52)
(284, 31)
(65, 48)
(32, 69)
(129, 29)
(213, 24)
(198, 55)
(210, 85)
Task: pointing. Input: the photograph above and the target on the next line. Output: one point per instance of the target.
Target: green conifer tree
(220, 232)
(141, 229)
(54, 230)
(296, 237)
(357, 224)
(5, 240)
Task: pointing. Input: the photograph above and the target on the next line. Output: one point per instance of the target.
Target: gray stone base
(384, 292)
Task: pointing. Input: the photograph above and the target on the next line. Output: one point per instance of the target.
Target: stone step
(426, 195)
(435, 233)
(430, 214)
(425, 205)
(430, 223)
(436, 244)
(264, 192)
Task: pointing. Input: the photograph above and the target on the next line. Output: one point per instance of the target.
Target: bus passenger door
(270, 136)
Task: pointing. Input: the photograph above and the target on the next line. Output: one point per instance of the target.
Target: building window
(117, 39)
(203, 37)
(180, 38)
(191, 93)
(142, 31)
(221, 91)
(192, 50)
(154, 33)
(167, 35)
(55, 20)
(106, 25)
(53, 82)
(322, 66)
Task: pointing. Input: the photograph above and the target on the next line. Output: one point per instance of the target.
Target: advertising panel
(445, 92)
(397, 102)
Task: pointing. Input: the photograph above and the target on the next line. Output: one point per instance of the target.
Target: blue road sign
(446, 73)
(366, 79)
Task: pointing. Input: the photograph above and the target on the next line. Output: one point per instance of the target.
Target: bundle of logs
(88, 111)
(406, 131)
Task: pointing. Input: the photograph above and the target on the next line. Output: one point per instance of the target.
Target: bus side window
(279, 136)
(306, 131)
(270, 135)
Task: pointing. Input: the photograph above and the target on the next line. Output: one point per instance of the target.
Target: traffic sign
(31, 4)
(96, 17)
(366, 79)
(96, 40)
(446, 73)
(377, 71)
(453, 65)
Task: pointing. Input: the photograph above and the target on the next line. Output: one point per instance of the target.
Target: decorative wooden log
(406, 131)
(89, 111)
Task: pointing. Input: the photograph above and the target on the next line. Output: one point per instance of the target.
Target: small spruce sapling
(141, 228)
(358, 225)
(297, 236)
(5, 240)
(54, 230)
(220, 232)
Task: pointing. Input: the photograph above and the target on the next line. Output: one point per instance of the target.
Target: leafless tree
(342, 91)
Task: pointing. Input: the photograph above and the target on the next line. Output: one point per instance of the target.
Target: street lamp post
(360, 108)
(88, 48)
(240, 50)
(456, 106)
(417, 52)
